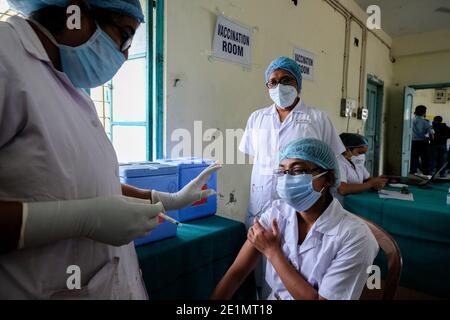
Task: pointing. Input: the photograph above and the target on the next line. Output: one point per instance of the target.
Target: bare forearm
(10, 225)
(244, 264)
(133, 192)
(226, 288)
(298, 287)
(349, 188)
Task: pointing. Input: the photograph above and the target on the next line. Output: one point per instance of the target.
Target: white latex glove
(114, 220)
(190, 194)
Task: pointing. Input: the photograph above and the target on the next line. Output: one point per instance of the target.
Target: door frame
(430, 86)
(407, 125)
(375, 81)
(418, 87)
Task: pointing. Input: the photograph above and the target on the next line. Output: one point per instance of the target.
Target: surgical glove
(114, 220)
(190, 194)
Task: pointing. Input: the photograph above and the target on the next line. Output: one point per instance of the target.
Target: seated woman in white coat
(315, 249)
(354, 176)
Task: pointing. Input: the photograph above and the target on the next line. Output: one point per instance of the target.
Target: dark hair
(438, 119)
(53, 18)
(420, 110)
(353, 140)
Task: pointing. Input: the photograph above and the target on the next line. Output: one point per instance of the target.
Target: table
(190, 266)
(422, 231)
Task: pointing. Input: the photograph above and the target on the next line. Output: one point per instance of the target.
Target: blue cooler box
(189, 168)
(151, 175)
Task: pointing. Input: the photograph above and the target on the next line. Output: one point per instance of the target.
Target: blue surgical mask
(298, 191)
(91, 64)
(283, 95)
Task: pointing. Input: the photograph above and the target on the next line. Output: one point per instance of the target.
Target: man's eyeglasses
(296, 171)
(286, 80)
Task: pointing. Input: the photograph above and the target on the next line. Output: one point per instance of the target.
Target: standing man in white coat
(61, 201)
(270, 129)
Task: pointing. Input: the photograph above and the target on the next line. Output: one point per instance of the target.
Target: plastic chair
(394, 261)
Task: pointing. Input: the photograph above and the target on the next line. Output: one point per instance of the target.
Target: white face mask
(359, 160)
(284, 96)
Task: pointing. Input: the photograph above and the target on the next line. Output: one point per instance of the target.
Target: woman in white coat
(354, 176)
(270, 129)
(61, 201)
(315, 249)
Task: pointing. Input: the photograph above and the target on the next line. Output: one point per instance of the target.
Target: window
(5, 11)
(122, 103)
(130, 106)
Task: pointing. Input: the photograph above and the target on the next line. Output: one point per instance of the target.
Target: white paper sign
(306, 60)
(232, 42)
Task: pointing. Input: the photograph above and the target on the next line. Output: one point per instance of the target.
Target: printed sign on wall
(306, 60)
(232, 42)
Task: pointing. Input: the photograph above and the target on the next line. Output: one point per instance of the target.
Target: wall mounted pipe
(349, 17)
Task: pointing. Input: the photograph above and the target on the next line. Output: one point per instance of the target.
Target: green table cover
(421, 229)
(189, 266)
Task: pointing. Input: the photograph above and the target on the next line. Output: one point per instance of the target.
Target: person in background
(439, 145)
(420, 149)
(315, 249)
(271, 128)
(354, 176)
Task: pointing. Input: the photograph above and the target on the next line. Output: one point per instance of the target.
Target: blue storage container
(152, 175)
(189, 168)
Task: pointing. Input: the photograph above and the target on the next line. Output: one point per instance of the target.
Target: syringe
(170, 219)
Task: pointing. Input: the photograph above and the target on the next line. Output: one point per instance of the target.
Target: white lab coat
(334, 256)
(263, 138)
(350, 173)
(53, 147)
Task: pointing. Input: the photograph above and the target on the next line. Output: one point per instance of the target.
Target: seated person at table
(315, 249)
(354, 176)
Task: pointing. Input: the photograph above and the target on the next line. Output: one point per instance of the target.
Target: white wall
(422, 43)
(223, 95)
(420, 59)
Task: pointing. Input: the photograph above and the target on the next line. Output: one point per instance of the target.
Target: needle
(170, 219)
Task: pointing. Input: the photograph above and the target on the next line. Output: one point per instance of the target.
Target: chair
(394, 261)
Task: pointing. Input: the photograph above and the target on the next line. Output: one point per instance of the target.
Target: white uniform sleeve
(12, 109)
(247, 145)
(331, 137)
(267, 217)
(342, 169)
(366, 174)
(346, 277)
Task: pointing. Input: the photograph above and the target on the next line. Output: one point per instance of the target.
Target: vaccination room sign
(306, 60)
(232, 42)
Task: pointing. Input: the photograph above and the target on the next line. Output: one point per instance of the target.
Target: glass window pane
(129, 92)
(139, 45)
(97, 94)
(5, 11)
(130, 143)
(3, 6)
(99, 106)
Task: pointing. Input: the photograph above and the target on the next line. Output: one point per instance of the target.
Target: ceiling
(405, 17)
